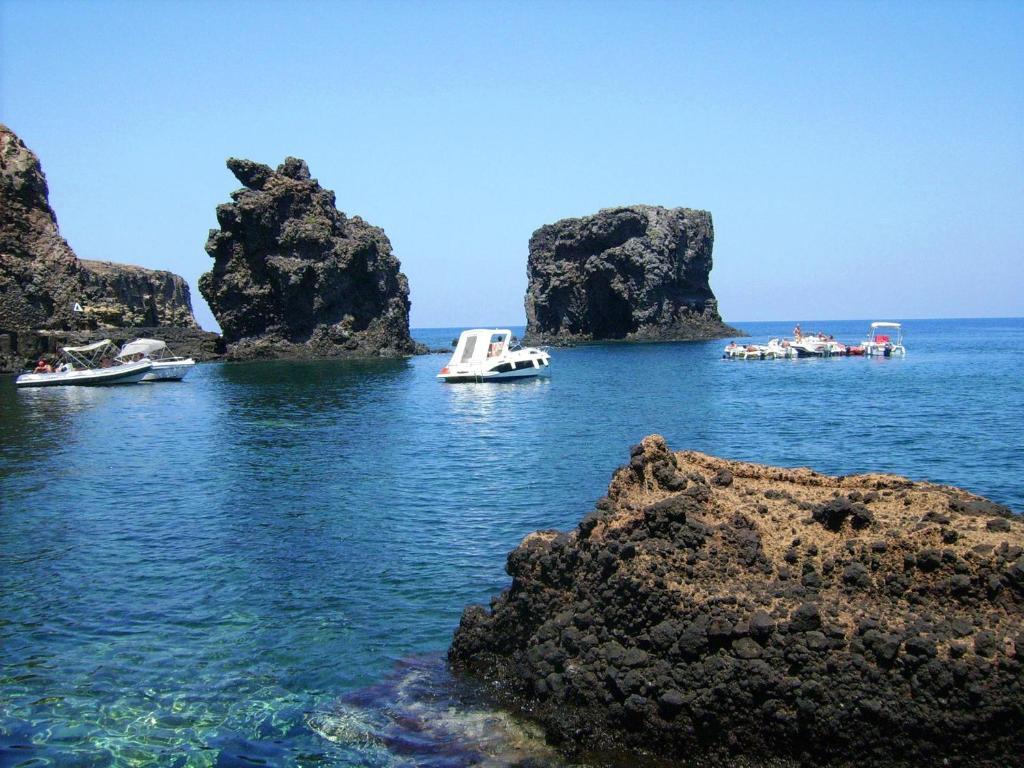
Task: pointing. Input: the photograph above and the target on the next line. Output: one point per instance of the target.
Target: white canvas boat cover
(88, 347)
(142, 347)
(886, 325)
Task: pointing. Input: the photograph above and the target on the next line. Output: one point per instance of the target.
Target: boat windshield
(101, 354)
(497, 344)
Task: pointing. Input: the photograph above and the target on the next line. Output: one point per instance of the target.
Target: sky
(859, 159)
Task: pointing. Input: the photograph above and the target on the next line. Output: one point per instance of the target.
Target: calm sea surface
(264, 564)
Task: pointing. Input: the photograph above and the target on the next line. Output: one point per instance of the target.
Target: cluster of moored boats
(481, 354)
(103, 363)
(885, 339)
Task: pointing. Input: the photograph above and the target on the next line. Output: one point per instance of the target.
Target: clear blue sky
(860, 159)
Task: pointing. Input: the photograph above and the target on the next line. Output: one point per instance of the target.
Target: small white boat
(780, 348)
(773, 350)
(884, 340)
(488, 354)
(89, 365)
(818, 345)
(736, 351)
(166, 366)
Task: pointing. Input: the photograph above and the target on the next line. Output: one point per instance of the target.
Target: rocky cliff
(294, 276)
(710, 610)
(636, 273)
(41, 279)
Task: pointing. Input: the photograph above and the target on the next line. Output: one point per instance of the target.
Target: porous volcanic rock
(295, 277)
(41, 279)
(714, 610)
(635, 273)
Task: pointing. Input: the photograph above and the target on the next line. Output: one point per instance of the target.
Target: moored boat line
(819, 344)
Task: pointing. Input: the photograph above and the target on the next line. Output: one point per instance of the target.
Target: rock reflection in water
(421, 715)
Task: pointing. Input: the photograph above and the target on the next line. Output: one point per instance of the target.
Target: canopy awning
(142, 347)
(886, 325)
(89, 347)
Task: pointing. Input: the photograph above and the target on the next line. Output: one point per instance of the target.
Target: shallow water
(245, 566)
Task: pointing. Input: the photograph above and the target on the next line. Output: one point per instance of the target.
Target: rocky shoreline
(710, 610)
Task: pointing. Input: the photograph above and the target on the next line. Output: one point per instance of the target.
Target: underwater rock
(783, 615)
(41, 279)
(634, 273)
(295, 277)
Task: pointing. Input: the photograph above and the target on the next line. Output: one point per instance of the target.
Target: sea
(264, 564)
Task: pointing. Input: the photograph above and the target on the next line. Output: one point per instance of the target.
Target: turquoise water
(264, 564)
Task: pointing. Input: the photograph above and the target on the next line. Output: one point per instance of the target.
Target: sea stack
(295, 277)
(41, 279)
(636, 273)
(716, 610)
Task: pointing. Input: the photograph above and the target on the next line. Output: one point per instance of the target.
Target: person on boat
(43, 367)
(797, 333)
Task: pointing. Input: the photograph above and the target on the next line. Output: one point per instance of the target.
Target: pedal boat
(486, 354)
(166, 366)
(89, 365)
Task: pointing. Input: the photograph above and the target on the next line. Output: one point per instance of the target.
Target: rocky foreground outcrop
(41, 279)
(295, 277)
(711, 610)
(634, 273)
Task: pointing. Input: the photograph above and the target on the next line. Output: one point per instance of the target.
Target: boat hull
(169, 371)
(527, 373)
(130, 373)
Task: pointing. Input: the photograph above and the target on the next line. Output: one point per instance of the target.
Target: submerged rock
(41, 279)
(635, 273)
(295, 277)
(783, 614)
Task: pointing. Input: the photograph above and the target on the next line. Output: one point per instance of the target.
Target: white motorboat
(488, 354)
(780, 348)
(884, 340)
(166, 366)
(775, 349)
(817, 345)
(89, 365)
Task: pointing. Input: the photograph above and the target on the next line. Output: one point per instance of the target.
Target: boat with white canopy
(884, 340)
(489, 354)
(89, 365)
(166, 366)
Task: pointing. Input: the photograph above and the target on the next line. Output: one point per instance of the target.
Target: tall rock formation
(294, 276)
(713, 610)
(635, 273)
(41, 279)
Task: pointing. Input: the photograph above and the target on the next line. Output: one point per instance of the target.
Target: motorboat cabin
(166, 366)
(490, 354)
(884, 340)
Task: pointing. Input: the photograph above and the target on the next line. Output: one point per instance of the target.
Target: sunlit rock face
(41, 279)
(714, 610)
(633, 273)
(294, 276)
